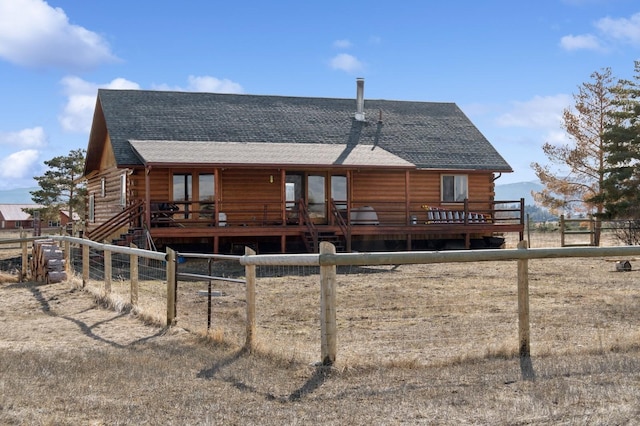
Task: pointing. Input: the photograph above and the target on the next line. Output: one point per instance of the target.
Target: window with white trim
(92, 208)
(123, 189)
(454, 188)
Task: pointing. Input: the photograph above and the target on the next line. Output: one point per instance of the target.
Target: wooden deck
(409, 228)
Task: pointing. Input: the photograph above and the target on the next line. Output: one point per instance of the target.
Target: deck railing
(360, 212)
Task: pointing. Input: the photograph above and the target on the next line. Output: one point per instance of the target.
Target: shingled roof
(428, 135)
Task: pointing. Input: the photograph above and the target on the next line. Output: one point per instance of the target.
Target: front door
(317, 198)
(312, 188)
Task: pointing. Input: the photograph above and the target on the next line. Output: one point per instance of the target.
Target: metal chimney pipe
(360, 99)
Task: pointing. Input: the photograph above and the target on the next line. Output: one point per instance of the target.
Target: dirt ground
(66, 358)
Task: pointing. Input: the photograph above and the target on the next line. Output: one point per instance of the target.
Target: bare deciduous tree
(575, 173)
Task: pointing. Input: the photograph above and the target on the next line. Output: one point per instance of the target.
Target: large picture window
(454, 188)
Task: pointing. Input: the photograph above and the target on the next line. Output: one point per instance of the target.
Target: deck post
(250, 276)
(147, 197)
(328, 339)
(522, 218)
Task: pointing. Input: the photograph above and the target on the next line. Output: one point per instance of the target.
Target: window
(103, 187)
(293, 190)
(123, 189)
(339, 191)
(454, 188)
(92, 205)
(317, 197)
(183, 192)
(206, 194)
(182, 187)
(206, 187)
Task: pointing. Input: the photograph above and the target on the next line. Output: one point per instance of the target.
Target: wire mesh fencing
(141, 285)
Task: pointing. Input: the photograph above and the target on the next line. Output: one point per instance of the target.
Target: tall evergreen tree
(59, 188)
(621, 187)
(573, 179)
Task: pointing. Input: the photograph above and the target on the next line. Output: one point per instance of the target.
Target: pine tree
(621, 196)
(59, 188)
(574, 177)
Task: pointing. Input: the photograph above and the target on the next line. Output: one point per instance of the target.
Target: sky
(511, 66)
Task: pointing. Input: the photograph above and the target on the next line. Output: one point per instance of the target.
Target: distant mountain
(16, 196)
(515, 191)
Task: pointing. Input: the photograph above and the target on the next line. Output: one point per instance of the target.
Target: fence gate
(572, 227)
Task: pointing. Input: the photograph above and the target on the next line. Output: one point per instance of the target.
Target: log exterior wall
(107, 203)
(256, 196)
(251, 197)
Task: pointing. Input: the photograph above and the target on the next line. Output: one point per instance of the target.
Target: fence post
(133, 276)
(250, 276)
(562, 230)
(107, 269)
(67, 257)
(526, 366)
(171, 286)
(85, 264)
(328, 307)
(25, 257)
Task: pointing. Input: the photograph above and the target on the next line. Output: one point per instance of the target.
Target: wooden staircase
(130, 216)
(332, 238)
(136, 236)
(312, 236)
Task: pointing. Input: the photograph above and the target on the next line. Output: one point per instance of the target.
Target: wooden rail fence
(328, 260)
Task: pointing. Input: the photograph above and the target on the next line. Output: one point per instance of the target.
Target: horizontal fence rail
(453, 256)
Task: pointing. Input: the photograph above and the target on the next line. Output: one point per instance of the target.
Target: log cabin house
(283, 173)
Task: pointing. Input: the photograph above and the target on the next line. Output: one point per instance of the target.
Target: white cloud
(557, 137)
(34, 138)
(212, 84)
(622, 29)
(34, 34)
(81, 101)
(585, 41)
(610, 31)
(541, 112)
(342, 44)
(19, 165)
(346, 62)
(204, 84)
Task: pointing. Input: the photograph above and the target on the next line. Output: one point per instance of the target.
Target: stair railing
(312, 230)
(126, 216)
(342, 224)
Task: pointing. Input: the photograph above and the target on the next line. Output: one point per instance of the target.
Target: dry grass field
(417, 344)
